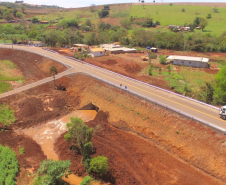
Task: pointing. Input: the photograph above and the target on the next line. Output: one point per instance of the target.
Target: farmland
(173, 15)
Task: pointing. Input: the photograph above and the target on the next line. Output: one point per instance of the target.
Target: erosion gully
(46, 134)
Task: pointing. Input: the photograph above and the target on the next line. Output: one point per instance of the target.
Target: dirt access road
(193, 108)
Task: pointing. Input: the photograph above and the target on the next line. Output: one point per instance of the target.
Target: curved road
(199, 111)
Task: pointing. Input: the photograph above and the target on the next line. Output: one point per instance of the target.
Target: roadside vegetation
(6, 115)
(9, 166)
(80, 135)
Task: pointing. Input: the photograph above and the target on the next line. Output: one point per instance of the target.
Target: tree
(51, 172)
(142, 1)
(14, 12)
(19, 15)
(88, 22)
(208, 16)
(197, 21)
(162, 59)
(53, 71)
(103, 13)
(22, 8)
(99, 165)
(183, 10)
(81, 135)
(169, 68)
(34, 20)
(150, 69)
(87, 180)
(92, 7)
(106, 7)
(7, 15)
(220, 87)
(203, 23)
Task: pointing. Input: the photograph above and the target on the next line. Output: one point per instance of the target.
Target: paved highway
(197, 110)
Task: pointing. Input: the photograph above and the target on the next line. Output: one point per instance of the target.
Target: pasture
(173, 15)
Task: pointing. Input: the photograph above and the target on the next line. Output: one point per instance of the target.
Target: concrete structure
(189, 61)
(36, 43)
(96, 52)
(112, 48)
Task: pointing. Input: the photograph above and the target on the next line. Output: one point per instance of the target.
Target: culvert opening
(90, 106)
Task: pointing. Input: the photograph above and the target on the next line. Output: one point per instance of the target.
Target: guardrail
(146, 83)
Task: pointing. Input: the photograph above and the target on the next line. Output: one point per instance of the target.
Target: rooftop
(97, 49)
(199, 59)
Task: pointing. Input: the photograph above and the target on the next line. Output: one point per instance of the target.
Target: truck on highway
(223, 112)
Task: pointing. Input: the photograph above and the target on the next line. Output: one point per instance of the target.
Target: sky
(84, 3)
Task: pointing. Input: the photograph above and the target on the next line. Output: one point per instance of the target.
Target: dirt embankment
(29, 161)
(145, 144)
(33, 67)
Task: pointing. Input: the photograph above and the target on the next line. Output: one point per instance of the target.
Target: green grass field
(6, 75)
(194, 79)
(173, 15)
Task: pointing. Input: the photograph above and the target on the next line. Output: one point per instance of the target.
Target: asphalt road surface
(197, 110)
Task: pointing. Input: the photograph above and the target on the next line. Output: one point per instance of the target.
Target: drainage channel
(46, 134)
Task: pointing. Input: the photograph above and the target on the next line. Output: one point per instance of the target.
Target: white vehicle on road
(223, 112)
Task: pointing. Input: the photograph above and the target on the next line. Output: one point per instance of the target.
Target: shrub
(6, 115)
(87, 180)
(51, 172)
(21, 150)
(162, 59)
(81, 135)
(153, 56)
(183, 10)
(8, 166)
(99, 165)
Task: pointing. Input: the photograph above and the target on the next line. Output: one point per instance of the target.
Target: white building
(96, 52)
(112, 48)
(36, 43)
(198, 62)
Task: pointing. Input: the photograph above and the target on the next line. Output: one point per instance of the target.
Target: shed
(154, 50)
(198, 62)
(96, 52)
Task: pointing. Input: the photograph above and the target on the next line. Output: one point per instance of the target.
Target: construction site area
(144, 143)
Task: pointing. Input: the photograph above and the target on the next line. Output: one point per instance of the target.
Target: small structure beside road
(116, 49)
(36, 43)
(198, 62)
(96, 52)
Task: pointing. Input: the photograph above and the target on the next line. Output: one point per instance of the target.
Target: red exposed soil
(33, 67)
(149, 152)
(132, 159)
(30, 159)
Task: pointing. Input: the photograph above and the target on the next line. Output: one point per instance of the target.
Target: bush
(51, 172)
(8, 166)
(183, 10)
(87, 180)
(99, 165)
(6, 115)
(153, 56)
(21, 150)
(162, 59)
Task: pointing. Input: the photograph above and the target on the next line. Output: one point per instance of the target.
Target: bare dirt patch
(32, 66)
(145, 144)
